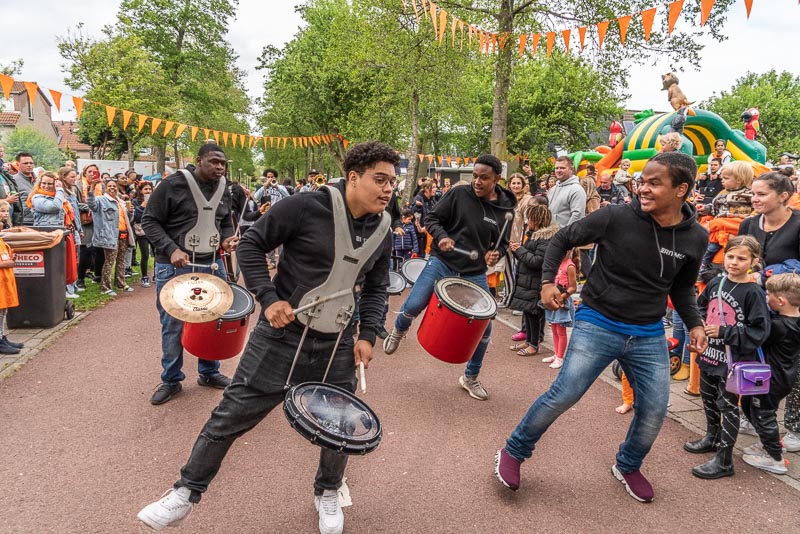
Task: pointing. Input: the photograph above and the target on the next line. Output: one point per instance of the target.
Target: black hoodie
(303, 224)
(637, 263)
(473, 223)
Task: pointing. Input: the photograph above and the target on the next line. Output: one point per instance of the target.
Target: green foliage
(777, 96)
(45, 151)
(13, 68)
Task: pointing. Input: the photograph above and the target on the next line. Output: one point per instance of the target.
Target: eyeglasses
(381, 179)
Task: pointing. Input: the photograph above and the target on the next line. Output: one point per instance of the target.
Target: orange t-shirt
(123, 227)
(8, 284)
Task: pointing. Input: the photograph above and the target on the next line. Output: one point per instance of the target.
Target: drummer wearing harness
(466, 219)
(187, 218)
(336, 242)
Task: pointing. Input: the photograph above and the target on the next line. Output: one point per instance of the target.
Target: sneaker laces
(172, 500)
(329, 503)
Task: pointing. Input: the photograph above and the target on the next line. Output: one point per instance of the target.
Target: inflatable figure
(675, 96)
(615, 133)
(751, 125)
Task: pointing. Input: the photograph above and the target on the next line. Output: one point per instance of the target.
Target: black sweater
(303, 224)
(473, 223)
(744, 308)
(782, 352)
(637, 263)
(171, 213)
(778, 246)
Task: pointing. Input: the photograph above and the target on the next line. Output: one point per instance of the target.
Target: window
(30, 108)
(6, 104)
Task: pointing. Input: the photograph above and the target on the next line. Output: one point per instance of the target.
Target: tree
(13, 68)
(777, 96)
(45, 151)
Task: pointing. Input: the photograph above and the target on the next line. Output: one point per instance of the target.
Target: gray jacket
(25, 187)
(567, 201)
(47, 210)
(105, 216)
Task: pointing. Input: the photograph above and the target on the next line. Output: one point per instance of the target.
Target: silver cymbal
(196, 297)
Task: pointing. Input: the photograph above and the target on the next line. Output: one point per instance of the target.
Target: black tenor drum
(412, 268)
(396, 283)
(332, 417)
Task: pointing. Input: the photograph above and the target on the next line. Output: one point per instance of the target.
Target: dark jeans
(257, 388)
(761, 410)
(144, 246)
(534, 323)
(721, 408)
(85, 261)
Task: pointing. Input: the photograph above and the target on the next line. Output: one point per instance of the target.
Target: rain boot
(721, 465)
(707, 443)
(694, 377)
(682, 374)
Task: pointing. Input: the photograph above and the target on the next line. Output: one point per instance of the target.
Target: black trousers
(256, 389)
(534, 324)
(762, 410)
(721, 408)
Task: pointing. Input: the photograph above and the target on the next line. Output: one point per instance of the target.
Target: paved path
(83, 450)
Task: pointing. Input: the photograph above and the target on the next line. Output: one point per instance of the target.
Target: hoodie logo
(490, 221)
(667, 252)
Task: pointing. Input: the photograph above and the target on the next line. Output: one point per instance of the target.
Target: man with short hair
(567, 199)
(468, 219)
(24, 180)
(709, 185)
(609, 192)
(658, 239)
(8, 192)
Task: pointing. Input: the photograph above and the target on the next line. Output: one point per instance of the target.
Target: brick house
(17, 112)
(68, 139)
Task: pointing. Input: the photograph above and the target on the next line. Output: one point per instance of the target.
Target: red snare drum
(225, 337)
(456, 318)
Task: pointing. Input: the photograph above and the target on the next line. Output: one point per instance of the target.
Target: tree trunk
(502, 81)
(161, 155)
(413, 157)
(131, 148)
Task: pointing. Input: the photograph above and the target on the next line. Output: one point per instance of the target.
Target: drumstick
(509, 217)
(473, 254)
(363, 377)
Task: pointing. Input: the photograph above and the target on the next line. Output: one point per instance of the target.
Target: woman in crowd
(68, 177)
(518, 185)
(139, 203)
(86, 257)
(111, 235)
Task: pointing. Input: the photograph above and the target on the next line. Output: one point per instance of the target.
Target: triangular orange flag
(194, 131)
(424, 5)
(416, 14)
(442, 24)
(225, 138)
(420, 156)
(181, 128)
(523, 40)
(449, 161)
(705, 10)
(345, 142)
(241, 140)
(217, 136)
(168, 126)
(154, 124)
(675, 9)
(582, 35)
(439, 159)
(748, 4)
(433, 18)
(494, 42)
(207, 132)
(458, 160)
(648, 16)
(32, 88)
(271, 139)
(285, 140)
(551, 39)
(56, 98)
(501, 40)
(623, 28)
(294, 141)
(535, 44)
(566, 34)
(602, 28)
(453, 32)
(142, 119)
(7, 83)
(78, 103)
(264, 141)
(430, 158)
(126, 118)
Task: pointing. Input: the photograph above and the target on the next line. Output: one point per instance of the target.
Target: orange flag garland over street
(111, 112)
(142, 119)
(32, 89)
(78, 102)
(705, 10)
(154, 124)
(602, 28)
(7, 83)
(648, 17)
(675, 9)
(126, 118)
(194, 132)
(623, 28)
(56, 98)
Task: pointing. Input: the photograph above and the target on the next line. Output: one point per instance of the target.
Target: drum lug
(219, 324)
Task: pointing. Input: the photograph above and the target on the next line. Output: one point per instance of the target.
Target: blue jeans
(679, 332)
(420, 295)
(172, 328)
(591, 349)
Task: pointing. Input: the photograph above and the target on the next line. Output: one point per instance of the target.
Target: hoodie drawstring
(658, 247)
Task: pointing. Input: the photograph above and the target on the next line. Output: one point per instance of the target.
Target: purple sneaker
(635, 484)
(506, 469)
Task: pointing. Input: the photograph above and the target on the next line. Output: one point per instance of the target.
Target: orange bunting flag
(523, 40)
(271, 140)
(623, 28)
(294, 141)
(416, 14)
(458, 160)
(264, 141)
(535, 45)
(217, 136)
(424, 5)
(748, 5)
(181, 128)
(494, 42)
(194, 131)
(442, 24)
(449, 161)
(32, 88)
(142, 119)
(675, 9)
(433, 18)
(566, 35)
(453, 32)
(648, 17)
(78, 103)
(56, 98)
(420, 156)
(126, 118)
(168, 126)
(602, 28)
(469, 36)
(461, 28)
(430, 159)
(154, 124)
(207, 132)
(705, 10)
(582, 35)
(345, 142)
(7, 83)
(241, 140)
(225, 138)
(110, 113)
(439, 159)
(551, 39)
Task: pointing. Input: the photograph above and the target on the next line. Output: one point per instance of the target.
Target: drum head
(411, 269)
(243, 304)
(465, 298)
(332, 417)
(396, 283)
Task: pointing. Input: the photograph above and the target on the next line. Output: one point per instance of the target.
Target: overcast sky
(762, 43)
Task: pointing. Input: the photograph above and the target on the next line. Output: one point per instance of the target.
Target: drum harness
(330, 306)
(206, 226)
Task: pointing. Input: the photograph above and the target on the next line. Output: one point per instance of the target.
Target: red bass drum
(456, 318)
(225, 337)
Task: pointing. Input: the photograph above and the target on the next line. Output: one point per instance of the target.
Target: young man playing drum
(305, 226)
(466, 219)
(646, 250)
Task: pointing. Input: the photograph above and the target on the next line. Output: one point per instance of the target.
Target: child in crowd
(8, 292)
(527, 292)
(5, 215)
(729, 207)
(407, 244)
(737, 323)
(560, 319)
(781, 352)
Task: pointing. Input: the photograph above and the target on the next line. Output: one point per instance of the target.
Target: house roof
(9, 118)
(68, 136)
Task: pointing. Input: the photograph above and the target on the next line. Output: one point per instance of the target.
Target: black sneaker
(218, 381)
(5, 348)
(80, 284)
(165, 392)
(11, 343)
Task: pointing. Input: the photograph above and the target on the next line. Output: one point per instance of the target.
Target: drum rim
(400, 278)
(412, 261)
(248, 311)
(438, 290)
(298, 419)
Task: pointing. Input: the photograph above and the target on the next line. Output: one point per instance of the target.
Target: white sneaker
(72, 296)
(549, 359)
(792, 442)
(557, 363)
(767, 463)
(331, 517)
(173, 508)
(757, 449)
(746, 427)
